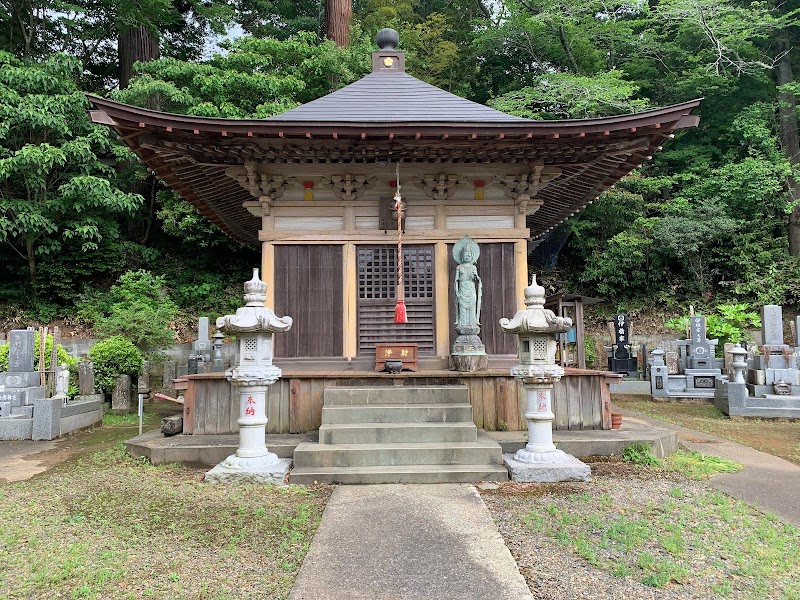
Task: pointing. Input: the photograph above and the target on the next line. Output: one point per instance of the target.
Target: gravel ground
(566, 542)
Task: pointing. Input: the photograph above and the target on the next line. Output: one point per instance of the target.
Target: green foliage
(640, 453)
(699, 466)
(729, 323)
(255, 77)
(138, 309)
(62, 355)
(57, 195)
(113, 357)
(568, 96)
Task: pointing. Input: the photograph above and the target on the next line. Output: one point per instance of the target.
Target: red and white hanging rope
(400, 306)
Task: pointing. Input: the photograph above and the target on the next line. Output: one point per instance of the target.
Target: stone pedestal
(469, 354)
(252, 461)
(540, 460)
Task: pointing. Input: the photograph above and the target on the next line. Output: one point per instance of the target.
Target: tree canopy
(713, 218)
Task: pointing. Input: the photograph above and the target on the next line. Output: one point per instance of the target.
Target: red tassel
(400, 312)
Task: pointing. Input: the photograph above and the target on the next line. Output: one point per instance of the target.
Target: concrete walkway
(397, 542)
(765, 481)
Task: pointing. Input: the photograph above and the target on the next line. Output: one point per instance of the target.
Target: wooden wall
(309, 288)
(294, 403)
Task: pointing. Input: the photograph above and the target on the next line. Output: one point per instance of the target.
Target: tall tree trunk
(790, 140)
(338, 14)
(31, 259)
(137, 44)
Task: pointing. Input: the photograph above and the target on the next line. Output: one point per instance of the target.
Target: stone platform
(210, 450)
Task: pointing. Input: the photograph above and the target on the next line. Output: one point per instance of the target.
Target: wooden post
(268, 271)
(54, 361)
(350, 302)
(42, 360)
(521, 263)
(441, 279)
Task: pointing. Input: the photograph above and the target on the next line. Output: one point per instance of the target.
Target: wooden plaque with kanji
(403, 352)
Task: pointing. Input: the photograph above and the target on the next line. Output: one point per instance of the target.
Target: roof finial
(387, 39)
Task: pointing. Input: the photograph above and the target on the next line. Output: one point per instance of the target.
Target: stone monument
(254, 326)
(200, 352)
(698, 368)
(621, 354)
(772, 386)
(468, 352)
(536, 328)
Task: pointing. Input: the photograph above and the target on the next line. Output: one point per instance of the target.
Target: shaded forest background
(713, 219)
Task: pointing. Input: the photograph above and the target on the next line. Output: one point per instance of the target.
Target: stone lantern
(536, 328)
(254, 326)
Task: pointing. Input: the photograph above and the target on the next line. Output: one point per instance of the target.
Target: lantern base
(259, 469)
(548, 469)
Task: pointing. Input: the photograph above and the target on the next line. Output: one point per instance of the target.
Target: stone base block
(567, 469)
(20, 380)
(262, 469)
(469, 363)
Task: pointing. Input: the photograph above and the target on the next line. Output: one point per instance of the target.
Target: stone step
(390, 433)
(399, 474)
(442, 394)
(768, 401)
(397, 413)
(24, 412)
(485, 451)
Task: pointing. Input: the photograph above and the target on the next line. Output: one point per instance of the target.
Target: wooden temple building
(313, 187)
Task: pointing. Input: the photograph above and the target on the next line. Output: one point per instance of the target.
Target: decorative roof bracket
(349, 187)
(438, 187)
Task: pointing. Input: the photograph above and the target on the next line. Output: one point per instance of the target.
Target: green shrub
(139, 310)
(63, 355)
(728, 323)
(114, 357)
(640, 453)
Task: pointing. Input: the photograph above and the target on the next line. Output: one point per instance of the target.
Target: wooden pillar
(521, 263)
(349, 318)
(268, 271)
(441, 284)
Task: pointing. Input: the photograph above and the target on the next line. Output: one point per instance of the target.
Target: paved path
(765, 481)
(398, 542)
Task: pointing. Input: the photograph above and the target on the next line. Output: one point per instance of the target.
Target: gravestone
(121, 396)
(621, 358)
(143, 381)
(772, 325)
(21, 358)
(170, 373)
(700, 349)
(200, 353)
(21, 350)
(774, 371)
(86, 378)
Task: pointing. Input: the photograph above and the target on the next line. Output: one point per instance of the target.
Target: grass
(689, 463)
(659, 530)
(107, 525)
(779, 438)
(149, 420)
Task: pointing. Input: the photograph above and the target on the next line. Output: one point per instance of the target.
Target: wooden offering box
(404, 352)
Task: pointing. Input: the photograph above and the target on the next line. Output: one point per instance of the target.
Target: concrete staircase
(396, 434)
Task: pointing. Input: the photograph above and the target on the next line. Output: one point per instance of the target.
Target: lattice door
(377, 283)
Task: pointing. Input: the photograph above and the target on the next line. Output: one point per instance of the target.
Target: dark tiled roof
(395, 97)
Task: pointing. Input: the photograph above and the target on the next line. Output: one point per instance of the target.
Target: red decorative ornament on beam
(479, 185)
(308, 195)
